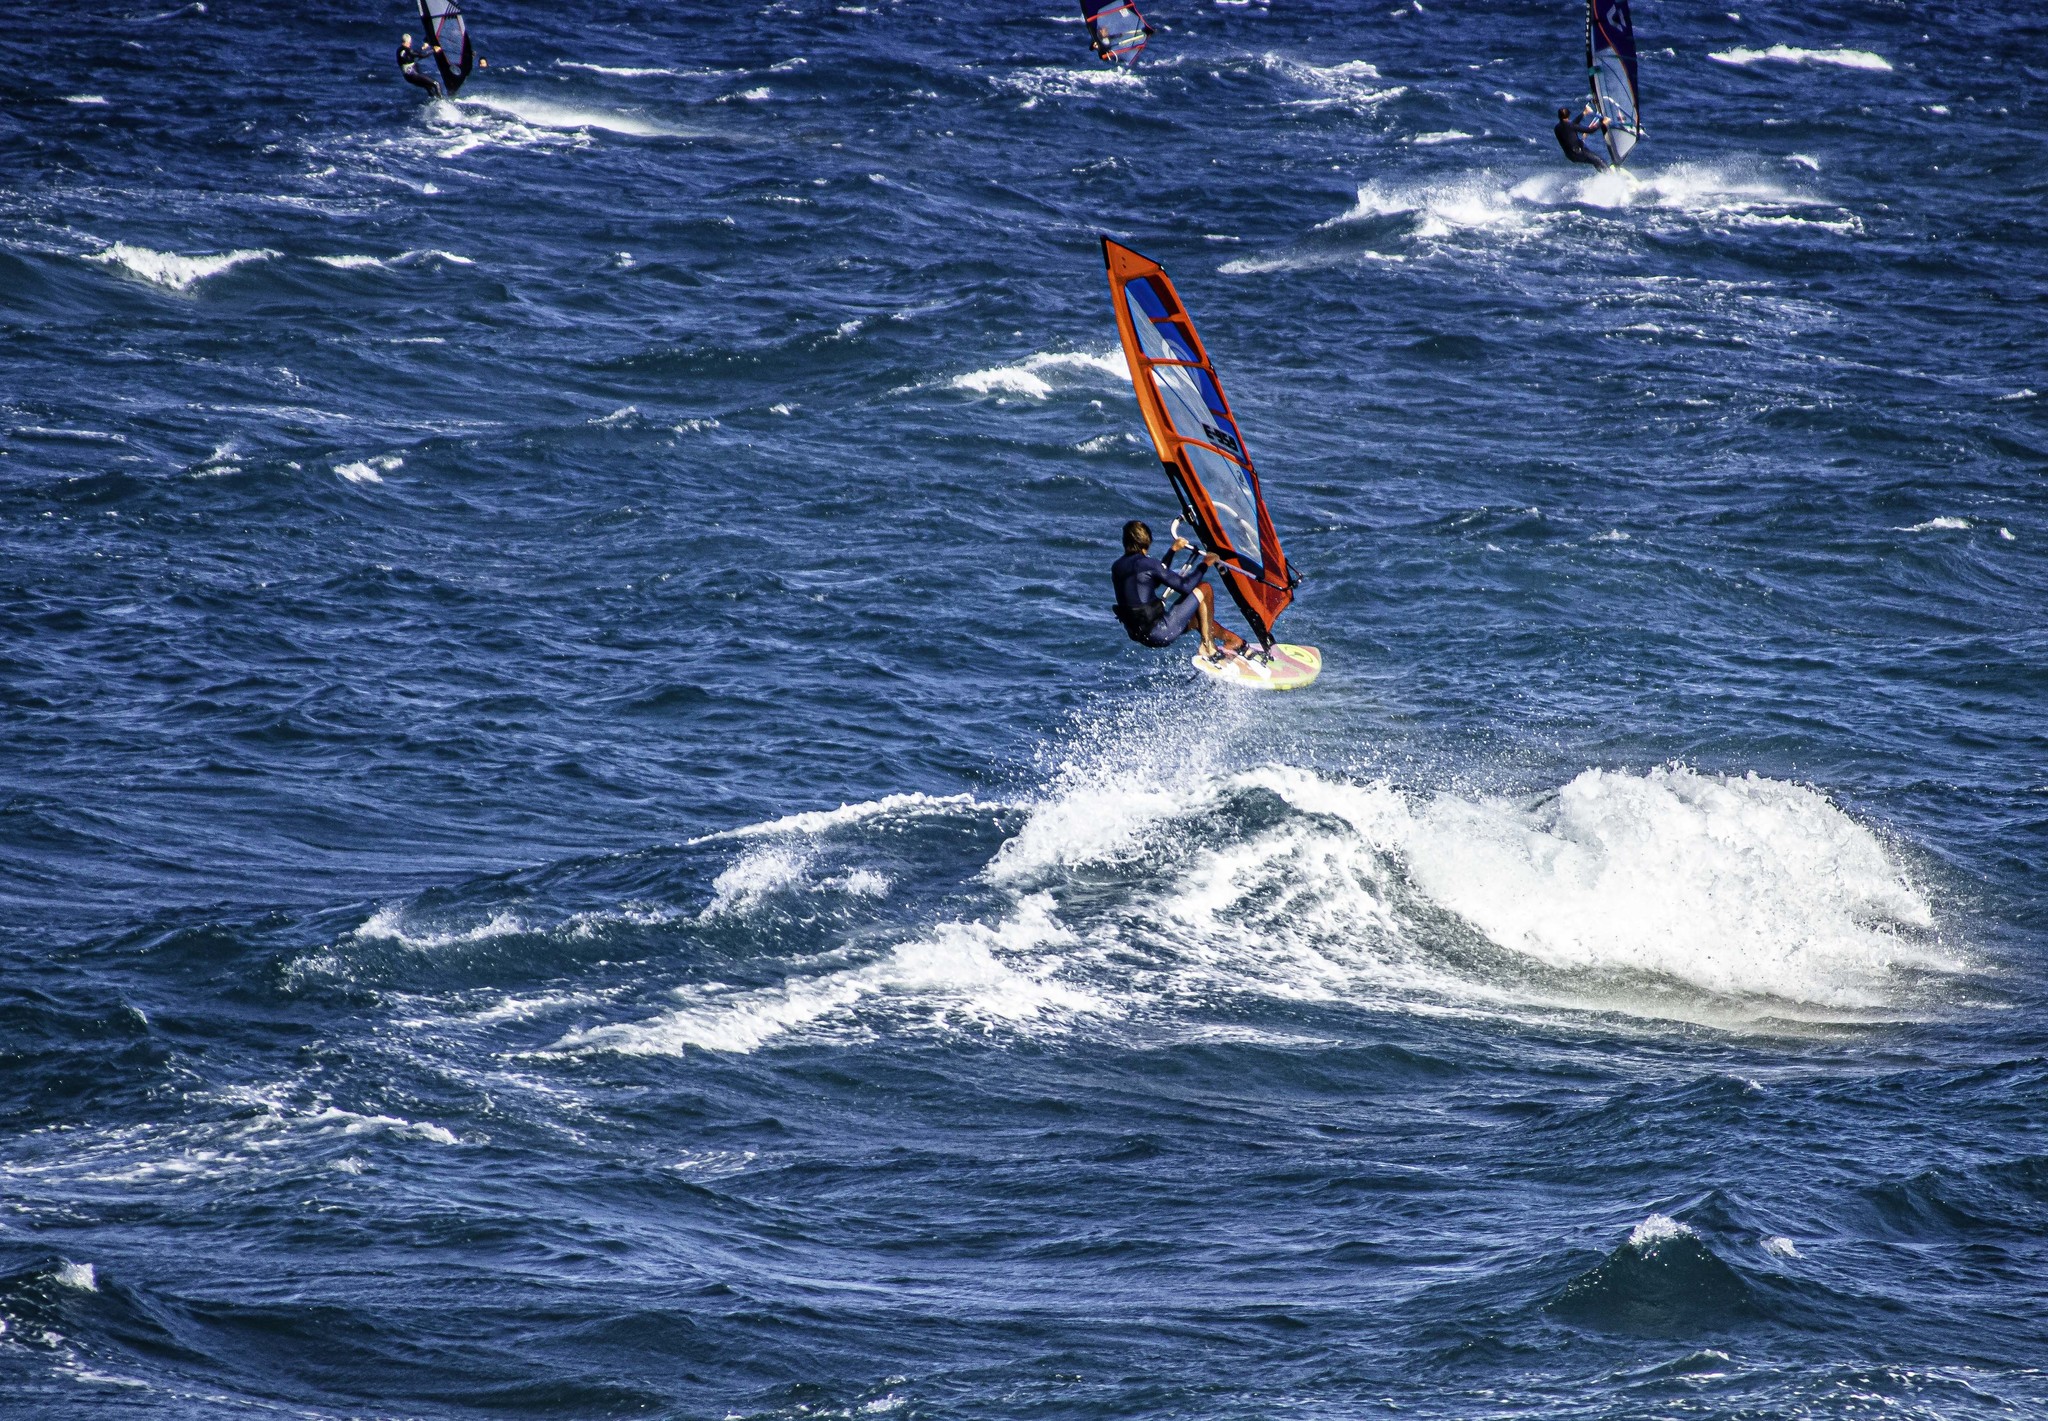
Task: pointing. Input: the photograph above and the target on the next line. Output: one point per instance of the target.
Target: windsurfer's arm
(1183, 582)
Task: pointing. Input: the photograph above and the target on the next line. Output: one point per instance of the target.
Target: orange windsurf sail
(1197, 437)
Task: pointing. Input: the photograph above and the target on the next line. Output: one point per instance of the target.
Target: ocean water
(578, 840)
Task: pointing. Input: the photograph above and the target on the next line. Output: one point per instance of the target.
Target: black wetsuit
(1140, 580)
(1571, 138)
(409, 62)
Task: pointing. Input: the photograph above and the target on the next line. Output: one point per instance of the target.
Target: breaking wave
(1156, 900)
(1790, 54)
(170, 270)
(1033, 377)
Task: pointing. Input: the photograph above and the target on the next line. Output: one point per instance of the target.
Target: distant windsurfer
(1141, 583)
(409, 61)
(1571, 136)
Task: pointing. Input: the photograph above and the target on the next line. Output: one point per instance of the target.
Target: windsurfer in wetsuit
(1571, 136)
(409, 62)
(1141, 580)
(411, 58)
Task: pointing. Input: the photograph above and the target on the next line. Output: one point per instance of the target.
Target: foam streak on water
(577, 838)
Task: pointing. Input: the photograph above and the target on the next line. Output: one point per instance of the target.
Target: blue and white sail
(1611, 67)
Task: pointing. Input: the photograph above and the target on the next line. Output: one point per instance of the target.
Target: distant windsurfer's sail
(1611, 65)
(1115, 28)
(1197, 437)
(450, 37)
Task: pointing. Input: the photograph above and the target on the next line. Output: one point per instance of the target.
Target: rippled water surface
(577, 838)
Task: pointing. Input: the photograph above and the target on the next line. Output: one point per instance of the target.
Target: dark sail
(450, 38)
(1611, 68)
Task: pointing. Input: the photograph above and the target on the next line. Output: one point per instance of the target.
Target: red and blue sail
(1197, 437)
(1115, 28)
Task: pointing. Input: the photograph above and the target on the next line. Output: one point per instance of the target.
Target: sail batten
(1611, 70)
(1197, 437)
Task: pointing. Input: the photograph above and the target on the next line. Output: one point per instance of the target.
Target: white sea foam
(369, 471)
(1938, 525)
(1104, 443)
(1739, 886)
(417, 256)
(90, 436)
(1447, 135)
(2019, 395)
(1065, 83)
(1669, 895)
(1497, 208)
(491, 121)
(617, 70)
(388, 924)
(1656, 1229)
(169, 269)
(85, 98)
(753, 876)
(261, 1132)
(349, 1122)
(1095, 819)
(1472, 201)
(1780, 1246)
(1029, 376)
(1351, 84)
(544, 113)
(79, 1277)
(1789, 54)
(814, 822)
(961, 976)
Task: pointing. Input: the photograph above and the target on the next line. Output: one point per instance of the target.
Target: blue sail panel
(1611, 69)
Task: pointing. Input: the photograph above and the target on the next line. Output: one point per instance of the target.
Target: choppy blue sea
(577, 838)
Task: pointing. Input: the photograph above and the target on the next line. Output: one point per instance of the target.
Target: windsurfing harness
(1197, 437)
(1115, 28)
(1611, 69)
(448, 36)
(1138, 577)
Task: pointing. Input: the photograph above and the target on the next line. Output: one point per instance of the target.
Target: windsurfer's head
(1137, 537)
(405, 40)
(1564, 113)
